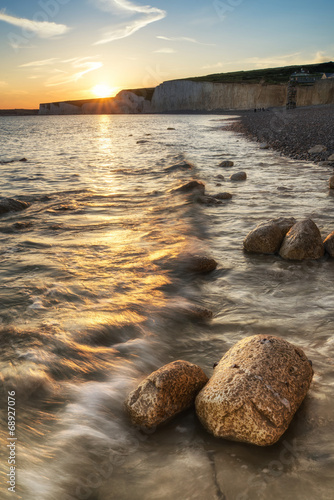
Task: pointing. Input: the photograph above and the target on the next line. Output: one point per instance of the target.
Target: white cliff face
(185, 95)
(124, 103)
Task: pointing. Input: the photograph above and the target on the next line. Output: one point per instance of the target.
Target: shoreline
(290, 132)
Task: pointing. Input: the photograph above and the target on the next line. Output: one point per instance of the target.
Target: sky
(55, 50)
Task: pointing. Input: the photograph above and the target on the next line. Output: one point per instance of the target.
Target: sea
(96, 294)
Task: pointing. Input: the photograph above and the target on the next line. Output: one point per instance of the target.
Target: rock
(319, 148)
(329, 244)
(22, 225)
(331, 158)
(226, 163)
(11, 205)
(199, 313)
(142, 141)
(201, 264)
(223, 196)
(165, 393)
(23, 160)
(220, 177)
(255, 390)
(303, 241)
(190, 187)
(268, 236)
(208, 200)
(331, 182)
(182, 165)
(264, 145)
(170, 128)
(239, 176)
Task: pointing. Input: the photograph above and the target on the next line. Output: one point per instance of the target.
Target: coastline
(291, 132)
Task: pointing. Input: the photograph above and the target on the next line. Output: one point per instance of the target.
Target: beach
(291, 132)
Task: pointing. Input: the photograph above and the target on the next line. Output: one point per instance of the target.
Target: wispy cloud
(275, 61)
(42, 29)
(165, 51)
(38, 64)
(149, 15)
(81, 66)
(183, 39)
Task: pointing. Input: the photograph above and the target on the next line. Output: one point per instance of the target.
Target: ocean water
(95, 295)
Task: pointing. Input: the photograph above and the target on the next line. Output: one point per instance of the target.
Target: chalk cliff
(186, 95)
(322, 92)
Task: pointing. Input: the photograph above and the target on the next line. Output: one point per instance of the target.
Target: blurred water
(95, 295)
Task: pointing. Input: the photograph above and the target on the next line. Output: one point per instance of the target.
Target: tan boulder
(255, 390)
(201, 264)
(303, 241)
(226, 163)
(331, 158)
(164, 393)
(329, 244)
(238, 176)
(268, 236)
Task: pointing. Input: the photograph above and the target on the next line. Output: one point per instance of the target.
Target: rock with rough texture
(223, 196)
(191, 186)
(268, 236)
(331, 182)
(208, 200)
(165, 393)
(264, 145)
(220, 177)
(331, 158)
(255, 390)
(319, 148)
(239, 176)
(11, 205)
(226, 163)
(329, 244)
(201, 264)
(303, 241)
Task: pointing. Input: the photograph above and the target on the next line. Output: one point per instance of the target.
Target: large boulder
(303, 241)
(329, 244)
(165, 393)
(268, 236)
(11, 205)
(255, 390)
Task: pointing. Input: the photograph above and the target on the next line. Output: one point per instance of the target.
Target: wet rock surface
(226, 164)
(201, 264)
(165, 393)
(238, 176)
(191, 186)
(182, 165)
(268, 236)
(11, 205)
(329, 244)
(303, 241)
(255, 390)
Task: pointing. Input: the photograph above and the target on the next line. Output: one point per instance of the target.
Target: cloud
(183, 39)
(42, 29)
(275, 61)
(38, 64)
(150, 15)
(83, 65)
(164, 51)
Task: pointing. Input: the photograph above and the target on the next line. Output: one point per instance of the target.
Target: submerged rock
(11, 205)
(208, 200)
(201, 264)
(220, 177)
(165, 393)
(223, 196)
(191, 186)
(182, 165)
(329, 244)
(255, 390)
(331, 182)
(226, 163)
(303, 241)
(268, 236)
(238, 176)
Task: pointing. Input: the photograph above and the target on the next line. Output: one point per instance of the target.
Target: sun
(102, 90)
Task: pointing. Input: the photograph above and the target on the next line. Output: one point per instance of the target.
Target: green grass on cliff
(270, 75)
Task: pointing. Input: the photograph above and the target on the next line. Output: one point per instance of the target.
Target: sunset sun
(102, 90)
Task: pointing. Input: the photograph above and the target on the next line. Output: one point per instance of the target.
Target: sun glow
(102, 90)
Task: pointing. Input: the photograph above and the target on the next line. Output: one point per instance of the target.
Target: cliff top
(269, 75)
